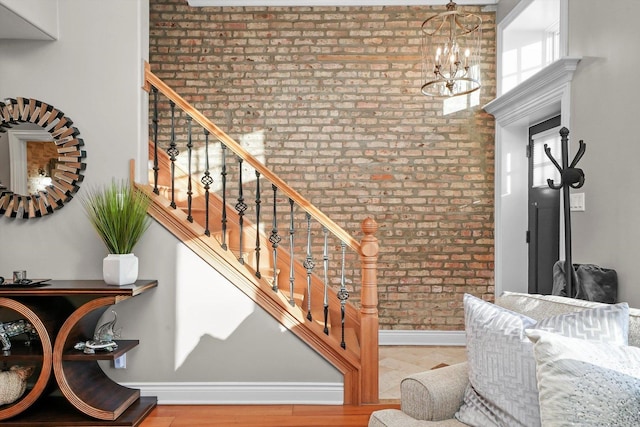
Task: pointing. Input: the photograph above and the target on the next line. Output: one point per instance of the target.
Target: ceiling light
(451, 53)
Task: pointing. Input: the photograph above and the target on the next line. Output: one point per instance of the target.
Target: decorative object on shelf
(19, 276)
(14, 328)
(118, 213)
(451, 53)
(570, 177)
(65, 182)
(13, 383)
(24, 283)
(103, 338)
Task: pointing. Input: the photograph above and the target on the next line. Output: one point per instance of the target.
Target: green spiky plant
(118, 213)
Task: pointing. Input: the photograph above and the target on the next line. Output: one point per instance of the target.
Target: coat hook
(570, 176)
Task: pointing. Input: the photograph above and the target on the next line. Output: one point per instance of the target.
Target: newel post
(369, 312)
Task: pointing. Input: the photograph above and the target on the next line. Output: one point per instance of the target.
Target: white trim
(449, 338)
(564, 28)
(312, 3)
(520, 7)
(18, 156)
(543, 88)
(249, 393)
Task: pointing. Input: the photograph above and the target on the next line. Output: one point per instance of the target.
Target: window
(530, 42)
(543, 168)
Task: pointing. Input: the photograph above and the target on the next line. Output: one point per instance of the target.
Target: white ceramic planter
(120, 269)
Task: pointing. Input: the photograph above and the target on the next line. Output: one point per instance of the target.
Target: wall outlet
(120, 362)
(576, 202)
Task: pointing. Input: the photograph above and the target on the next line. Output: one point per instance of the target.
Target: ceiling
(220, 3)
(37, 19)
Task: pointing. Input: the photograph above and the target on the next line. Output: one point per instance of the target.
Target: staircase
(264, 237)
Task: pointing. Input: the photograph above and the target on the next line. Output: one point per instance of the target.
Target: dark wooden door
(543, 235)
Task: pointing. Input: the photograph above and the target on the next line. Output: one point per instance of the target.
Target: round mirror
(41, 160)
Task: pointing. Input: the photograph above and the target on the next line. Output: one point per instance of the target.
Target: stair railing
(363, 388)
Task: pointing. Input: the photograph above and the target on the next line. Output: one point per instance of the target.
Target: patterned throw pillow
(586, 383)
(502, 387)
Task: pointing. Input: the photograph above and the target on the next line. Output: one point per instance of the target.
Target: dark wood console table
(65, 312)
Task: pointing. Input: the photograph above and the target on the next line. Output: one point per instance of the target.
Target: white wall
(93, 74)
(605, 114)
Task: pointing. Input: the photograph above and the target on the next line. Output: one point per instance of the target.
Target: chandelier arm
(466, 30)
(444, 21)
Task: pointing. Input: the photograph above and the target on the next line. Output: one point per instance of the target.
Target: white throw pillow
(586, 383)
(502, 387)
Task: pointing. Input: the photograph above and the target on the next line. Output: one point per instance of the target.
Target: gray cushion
(396, 418)
(540, 306)
(586, 383)
(502, 389)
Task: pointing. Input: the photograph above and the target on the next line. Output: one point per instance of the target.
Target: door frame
(545, 94)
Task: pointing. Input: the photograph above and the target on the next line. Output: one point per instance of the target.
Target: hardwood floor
(262, 415)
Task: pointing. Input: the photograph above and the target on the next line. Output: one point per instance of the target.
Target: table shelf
(87, 392)
(123, 347)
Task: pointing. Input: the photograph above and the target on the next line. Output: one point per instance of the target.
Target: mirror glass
(41, 160)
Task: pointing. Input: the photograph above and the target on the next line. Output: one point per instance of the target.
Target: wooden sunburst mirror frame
(66, 181)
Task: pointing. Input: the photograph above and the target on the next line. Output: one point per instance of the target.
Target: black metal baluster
(292, 231)
(275, 239)
(258, 201)
(223, 244)
(173, 152)
(241, 207)
(206, 181)
(189, 152)
(343, 294)
(325, 262)
(156, 168)
(309, 265)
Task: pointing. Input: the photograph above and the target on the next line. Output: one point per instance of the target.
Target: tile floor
(396, 362)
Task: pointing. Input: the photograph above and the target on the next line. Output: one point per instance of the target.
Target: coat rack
(570, 177)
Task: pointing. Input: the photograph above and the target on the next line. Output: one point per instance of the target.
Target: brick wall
(334, 92)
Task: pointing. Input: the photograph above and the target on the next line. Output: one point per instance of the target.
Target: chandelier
(450, 53)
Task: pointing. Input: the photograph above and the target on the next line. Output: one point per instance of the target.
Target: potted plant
(118, 213)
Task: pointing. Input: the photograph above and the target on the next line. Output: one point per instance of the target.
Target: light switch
(576, 202)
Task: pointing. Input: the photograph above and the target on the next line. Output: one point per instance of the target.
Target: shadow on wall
(206, 304)
(221, 335)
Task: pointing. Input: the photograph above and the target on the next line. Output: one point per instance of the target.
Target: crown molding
(312, 3)
(540, 89)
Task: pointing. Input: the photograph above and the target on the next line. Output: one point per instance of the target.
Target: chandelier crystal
(451, 53)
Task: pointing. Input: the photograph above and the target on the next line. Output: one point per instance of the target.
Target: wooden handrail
(153, 80)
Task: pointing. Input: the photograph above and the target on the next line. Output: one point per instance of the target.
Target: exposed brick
(336, 93)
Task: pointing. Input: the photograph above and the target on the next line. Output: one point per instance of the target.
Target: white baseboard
(448, 338)
(269, 393)
(227, 393)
